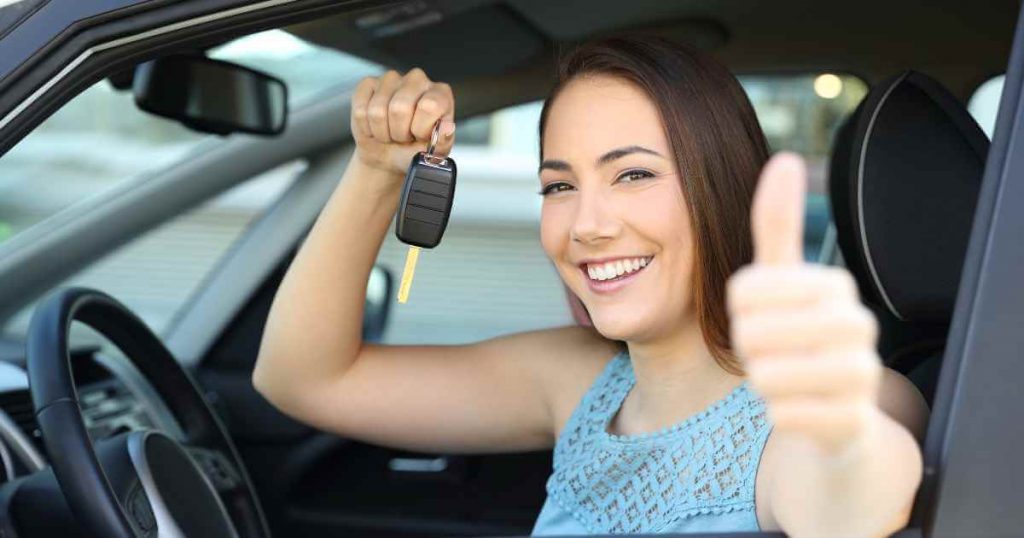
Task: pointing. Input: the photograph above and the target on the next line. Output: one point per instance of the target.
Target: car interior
(164, 245)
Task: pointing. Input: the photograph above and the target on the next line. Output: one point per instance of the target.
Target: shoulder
(901, 400)
(567, 361)
(897, 397)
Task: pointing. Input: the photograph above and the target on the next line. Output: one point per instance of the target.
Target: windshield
(100, 143)
(101, 140)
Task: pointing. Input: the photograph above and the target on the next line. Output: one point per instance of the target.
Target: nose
(595, 220)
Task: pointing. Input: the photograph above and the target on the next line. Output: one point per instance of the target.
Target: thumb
(777, 215)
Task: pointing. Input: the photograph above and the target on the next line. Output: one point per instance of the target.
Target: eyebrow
(562, 166)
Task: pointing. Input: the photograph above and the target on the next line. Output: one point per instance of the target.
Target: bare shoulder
(565, 361)
(897, 397)
(901, 400)
(576, 360)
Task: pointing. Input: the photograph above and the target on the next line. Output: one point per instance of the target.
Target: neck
(676, 376)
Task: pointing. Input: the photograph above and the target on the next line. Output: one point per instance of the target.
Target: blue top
(694, 476)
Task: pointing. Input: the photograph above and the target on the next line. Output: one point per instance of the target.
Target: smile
(609, 276)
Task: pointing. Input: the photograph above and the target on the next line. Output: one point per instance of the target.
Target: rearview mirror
(211, 96)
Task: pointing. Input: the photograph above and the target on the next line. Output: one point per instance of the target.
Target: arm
(877, 477)
(312, 365)
(842, 459)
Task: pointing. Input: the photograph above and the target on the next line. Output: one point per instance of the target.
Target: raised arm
(493, 395)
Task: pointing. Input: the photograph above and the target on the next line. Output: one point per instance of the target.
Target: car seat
(905, 173)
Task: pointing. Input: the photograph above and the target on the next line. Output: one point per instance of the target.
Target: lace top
(694, 476)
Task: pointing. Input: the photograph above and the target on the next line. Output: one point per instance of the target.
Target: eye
(630, 176)
(557, 186)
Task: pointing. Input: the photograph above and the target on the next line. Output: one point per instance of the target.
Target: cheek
(553, 232)
(665, 218)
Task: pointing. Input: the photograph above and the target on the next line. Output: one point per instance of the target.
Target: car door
(973, 471)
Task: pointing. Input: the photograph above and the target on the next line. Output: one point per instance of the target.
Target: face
(614, 219)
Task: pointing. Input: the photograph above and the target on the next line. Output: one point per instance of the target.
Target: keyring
(433, 137)
(429, 156)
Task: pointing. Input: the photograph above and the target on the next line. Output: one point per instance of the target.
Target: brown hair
(719, 148)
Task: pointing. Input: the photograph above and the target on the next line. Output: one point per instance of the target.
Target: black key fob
(426, 200)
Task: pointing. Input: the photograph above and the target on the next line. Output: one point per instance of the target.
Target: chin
(617, 325)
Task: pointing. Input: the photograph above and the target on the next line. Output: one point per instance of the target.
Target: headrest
(905, 174)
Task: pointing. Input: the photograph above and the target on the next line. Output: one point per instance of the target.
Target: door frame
(972, 474)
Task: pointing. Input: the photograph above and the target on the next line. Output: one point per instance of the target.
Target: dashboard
(113, 396)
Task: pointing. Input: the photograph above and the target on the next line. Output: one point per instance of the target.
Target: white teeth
(609, 270)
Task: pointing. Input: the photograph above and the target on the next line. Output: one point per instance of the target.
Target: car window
(100, 141)
(984, 103)
(490, 276)
(802, 113)
(305, 68)
(156, 273)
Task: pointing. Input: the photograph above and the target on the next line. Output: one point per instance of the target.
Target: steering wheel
(140, 483)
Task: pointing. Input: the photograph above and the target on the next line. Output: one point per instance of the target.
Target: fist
(393, 116)
(807, 343)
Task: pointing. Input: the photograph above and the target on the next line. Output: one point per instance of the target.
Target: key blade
(407, 273)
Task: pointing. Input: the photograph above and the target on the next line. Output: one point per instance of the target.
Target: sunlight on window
(984, 104)
(276, 44)
(307, 69)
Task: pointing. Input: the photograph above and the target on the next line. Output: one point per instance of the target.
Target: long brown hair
(719, 149)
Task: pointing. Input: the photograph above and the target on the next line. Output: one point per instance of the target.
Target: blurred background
(490, 264)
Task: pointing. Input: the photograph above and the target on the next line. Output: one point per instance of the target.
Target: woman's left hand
(807, 343)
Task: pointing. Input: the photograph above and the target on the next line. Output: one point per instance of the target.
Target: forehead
(594, 114)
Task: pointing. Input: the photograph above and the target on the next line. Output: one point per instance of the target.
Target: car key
(424, 207)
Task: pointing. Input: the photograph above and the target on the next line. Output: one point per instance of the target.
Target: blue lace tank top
(694, 476)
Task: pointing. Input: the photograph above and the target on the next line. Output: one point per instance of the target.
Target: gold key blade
(410, 268)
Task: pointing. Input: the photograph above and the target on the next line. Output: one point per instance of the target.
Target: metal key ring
(433, 137)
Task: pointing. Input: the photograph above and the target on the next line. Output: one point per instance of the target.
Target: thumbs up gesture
(806, 342)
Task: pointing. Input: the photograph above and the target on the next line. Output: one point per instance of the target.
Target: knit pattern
(615, 484)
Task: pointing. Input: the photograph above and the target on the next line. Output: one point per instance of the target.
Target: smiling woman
(697, 212)
(650, 155)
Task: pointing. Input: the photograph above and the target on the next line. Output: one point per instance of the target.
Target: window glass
(97, 141)
(156, 273)
(984, 104)
(100, 140)
(490, 275)
(305, 68)
(802, 113)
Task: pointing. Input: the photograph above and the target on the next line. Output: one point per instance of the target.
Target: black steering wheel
(140, 483)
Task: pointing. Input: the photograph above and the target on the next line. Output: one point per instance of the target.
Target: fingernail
(448, 128)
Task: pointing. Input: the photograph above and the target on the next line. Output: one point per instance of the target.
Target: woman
(707, 396)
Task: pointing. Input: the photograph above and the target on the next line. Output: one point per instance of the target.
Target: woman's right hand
(393, 116)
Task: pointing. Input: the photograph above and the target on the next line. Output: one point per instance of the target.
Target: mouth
(608, 276)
